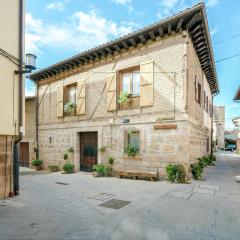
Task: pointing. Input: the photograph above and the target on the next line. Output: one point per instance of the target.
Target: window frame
(127, 141)
(66, 97)
(134, 100)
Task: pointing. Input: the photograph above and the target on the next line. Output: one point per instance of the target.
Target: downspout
(212, 123)
(20, 107)
(36, 121)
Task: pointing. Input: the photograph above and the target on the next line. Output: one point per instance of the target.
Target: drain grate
(114, 204)
(62, 183)
(101, 196)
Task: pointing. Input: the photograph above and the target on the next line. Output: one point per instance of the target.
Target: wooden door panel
(88, 150)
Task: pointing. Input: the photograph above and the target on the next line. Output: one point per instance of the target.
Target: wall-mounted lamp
(29, 65)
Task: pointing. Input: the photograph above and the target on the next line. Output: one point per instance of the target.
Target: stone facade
(6, 166)
(174, 104)
(218, 127)
(30, 126)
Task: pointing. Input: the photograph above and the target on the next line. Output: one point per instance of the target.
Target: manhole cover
(114, 204)
(204, 191)
(179, 194)
(62, 183)
(101, 196)
(64, 197)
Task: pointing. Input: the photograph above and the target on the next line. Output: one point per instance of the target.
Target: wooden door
(88, 151)
(24, 154)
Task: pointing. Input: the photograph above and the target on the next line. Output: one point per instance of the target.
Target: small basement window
(132, 146)
(129, 82)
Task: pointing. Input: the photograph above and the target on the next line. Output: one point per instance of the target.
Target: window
(132, 141)
(199, 94)
(129, 81)
(70, 97)
(207, 105)
(204, 100)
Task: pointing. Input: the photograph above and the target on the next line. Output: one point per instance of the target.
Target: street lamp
(29, 65)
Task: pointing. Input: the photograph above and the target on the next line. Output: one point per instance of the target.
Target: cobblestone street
(60, 206)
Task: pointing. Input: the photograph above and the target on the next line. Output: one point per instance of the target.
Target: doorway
(88, 150)
(24, 154)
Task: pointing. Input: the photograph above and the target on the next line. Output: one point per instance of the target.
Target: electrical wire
(227, 39)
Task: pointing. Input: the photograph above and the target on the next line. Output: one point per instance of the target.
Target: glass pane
(134, 140)
(136, 84)
(89, 150)
(126, 83)
(72, 94)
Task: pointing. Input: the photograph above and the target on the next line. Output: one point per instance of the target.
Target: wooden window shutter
(146, 84)
(81, 98)
(60, 101)
(111, 91)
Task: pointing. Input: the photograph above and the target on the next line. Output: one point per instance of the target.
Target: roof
(237, 95)
(194, 20)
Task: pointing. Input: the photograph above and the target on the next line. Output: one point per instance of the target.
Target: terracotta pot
(38, 168)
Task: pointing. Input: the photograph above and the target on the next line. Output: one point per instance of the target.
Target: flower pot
(38, 168)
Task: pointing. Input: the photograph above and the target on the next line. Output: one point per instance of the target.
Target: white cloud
(81, 31)
(212, 3)
(234, 106)
(58, 6)
(170, 7)
(127, 3)
(214, 31)
(29, 91)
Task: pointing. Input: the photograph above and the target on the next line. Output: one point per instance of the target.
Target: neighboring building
(28, 143)
(168, 70)
(218, 127)
(236, 121)
(11, 92)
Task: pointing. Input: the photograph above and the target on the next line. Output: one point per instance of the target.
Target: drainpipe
(36, 121)
(20, 106)
(212, 123)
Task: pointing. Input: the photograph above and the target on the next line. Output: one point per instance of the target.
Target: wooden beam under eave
(194, 20)
(160, 30)
(102, 52)
(117, 48)
(179, 25)
(169, 28)
(124, 44)
(142, 38)
(152, 35)
(133, 42)
(108, 49)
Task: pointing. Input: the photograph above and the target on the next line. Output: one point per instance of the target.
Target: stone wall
(30, 126)
(6, 165)
(174, 103)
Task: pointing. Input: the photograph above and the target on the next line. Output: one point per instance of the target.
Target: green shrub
(213, 158)
(176, 173)
(71, 150)
(102, 149)
(123, 98)
(131, 150)
(68, 167)
(102, 170)
(37, 162)
(65, 155)
(111, 159)
(54, 167)
(197, 170)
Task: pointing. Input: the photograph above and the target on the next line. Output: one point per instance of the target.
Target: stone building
(236, 120)
(167, 70)
(11, 92)
(28, 143)
(218, 127)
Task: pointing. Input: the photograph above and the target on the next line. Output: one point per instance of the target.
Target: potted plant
(69, 107)
(110, 160)
(131, 150)
(68, 167)
(37, 163)
(123, 98)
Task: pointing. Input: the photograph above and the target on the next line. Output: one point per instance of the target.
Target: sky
(58, 29)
